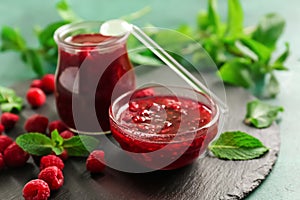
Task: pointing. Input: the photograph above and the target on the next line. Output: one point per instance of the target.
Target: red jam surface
(150, 123)
(99, 71)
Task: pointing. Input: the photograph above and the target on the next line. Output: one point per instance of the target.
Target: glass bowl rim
(140, 134)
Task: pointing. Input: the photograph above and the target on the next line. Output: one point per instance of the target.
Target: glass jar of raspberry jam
(92, 70)
(164, 128)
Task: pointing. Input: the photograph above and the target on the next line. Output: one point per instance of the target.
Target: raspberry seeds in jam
(178, 126)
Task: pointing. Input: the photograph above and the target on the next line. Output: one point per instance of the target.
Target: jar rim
(63, 32)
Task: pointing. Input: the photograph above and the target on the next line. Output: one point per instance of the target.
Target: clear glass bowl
(164, 128)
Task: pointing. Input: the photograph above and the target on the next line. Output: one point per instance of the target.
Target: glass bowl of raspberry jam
(162, 127)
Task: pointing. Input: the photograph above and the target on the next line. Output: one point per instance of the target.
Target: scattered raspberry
(36, 123)
(48, 83)
(51, 160)
(8, 120)
(1, 129)
(36, 97)
(14, 156)
(67, 134)
(36, 190)
(5, 141)
(64, 156)
(57, 124)
(95, 162)
(53, 176)
(2, 164)
(36, 84)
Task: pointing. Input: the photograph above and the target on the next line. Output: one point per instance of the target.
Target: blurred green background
(283, 182)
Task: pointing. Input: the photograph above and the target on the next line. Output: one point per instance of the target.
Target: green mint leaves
(39, 144)
(237, 146)
(260, 114)
(9, 101)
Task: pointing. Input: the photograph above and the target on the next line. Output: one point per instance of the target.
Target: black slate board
(207, 178)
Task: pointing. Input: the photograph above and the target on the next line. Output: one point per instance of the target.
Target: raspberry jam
(178, 128)
(93, 69)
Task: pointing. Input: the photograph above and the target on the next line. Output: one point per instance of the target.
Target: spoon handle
(176, 66)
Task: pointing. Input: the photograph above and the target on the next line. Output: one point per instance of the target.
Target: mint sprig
(39, 144)
(237, 145)
(9, 101)
(260, 114)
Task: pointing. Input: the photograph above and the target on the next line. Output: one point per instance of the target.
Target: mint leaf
(141, 59)
(57, 142)
(269, 29)
(213, 17)
(80, 145)
(137, 14)
(272, 87)
(12, 39)
(35, 143)
(58, 150)
(237, 72)
(237, 146)
(235, 18)
(65, 11)
(45, 36)
(263, 53)
(260, 114)
(56, 138)
(9, 101)
(33, 59)
(281, 58)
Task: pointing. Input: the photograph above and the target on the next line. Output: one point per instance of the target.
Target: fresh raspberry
(1, 129)
(36, 190)
(51, 160)
(8, 120)
(53, 176)
(48, 83)
(67, 134)
(95, 162)
(36, 123)
(57, 124)
(64, 156)
(14, 156)
(35, 97)
(2, 164)
(36, 84)
(5, 141)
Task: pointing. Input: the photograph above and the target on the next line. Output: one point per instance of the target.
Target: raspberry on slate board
(2, 164)
(36, 190)
(8, 120)
(2, 128)
(51, 160)
(53, 176)
(5, 141)
(58, 125)
(95, 162)
(36, 84)
(14, 156)
(36, 97)
(36, 123)
(48, 83)
(67, 134)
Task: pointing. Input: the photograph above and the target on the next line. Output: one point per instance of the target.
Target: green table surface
(283, 182)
